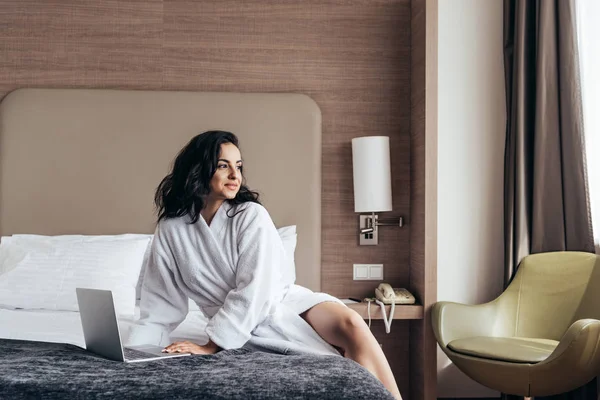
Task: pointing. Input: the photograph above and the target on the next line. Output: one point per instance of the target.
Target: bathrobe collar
(219, 219)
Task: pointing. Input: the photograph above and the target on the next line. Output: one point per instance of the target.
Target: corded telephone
(385, 294)
(388, 295)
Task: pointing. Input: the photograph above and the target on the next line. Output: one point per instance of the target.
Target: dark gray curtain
(546, 202)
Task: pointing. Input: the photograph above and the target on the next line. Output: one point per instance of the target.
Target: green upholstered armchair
(540, 337)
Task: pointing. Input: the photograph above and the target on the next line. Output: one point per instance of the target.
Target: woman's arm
(258, 281)
(163, 305)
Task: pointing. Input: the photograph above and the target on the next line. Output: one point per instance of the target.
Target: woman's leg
(344, 328)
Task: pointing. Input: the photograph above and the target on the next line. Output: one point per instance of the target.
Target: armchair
(540, 337)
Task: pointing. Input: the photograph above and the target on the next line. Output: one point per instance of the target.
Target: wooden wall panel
(423, 201)
(87, 43)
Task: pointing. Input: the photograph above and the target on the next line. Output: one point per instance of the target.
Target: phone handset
(385, 293)
(388, 295)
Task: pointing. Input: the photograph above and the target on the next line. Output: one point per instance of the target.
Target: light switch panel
(368, 272)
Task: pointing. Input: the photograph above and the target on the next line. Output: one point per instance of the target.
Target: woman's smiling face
(227, 179)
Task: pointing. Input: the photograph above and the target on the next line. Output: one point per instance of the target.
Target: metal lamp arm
(380, 222)
(390, 222)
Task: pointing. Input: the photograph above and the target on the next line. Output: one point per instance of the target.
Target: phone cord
(387, 320)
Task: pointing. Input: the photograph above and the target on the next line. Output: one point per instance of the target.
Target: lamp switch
(368, 272)
(371, 238)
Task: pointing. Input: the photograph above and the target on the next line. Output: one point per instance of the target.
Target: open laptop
(101, 330)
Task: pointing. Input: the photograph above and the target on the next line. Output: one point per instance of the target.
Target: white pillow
(43, 273)
(4, 241)
(30, 238)
(75, 238)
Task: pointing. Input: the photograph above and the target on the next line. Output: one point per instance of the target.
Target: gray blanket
(39, 370)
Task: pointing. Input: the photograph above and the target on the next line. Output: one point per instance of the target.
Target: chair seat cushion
(511, 349)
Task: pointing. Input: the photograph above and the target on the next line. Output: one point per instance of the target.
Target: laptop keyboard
(131, 354)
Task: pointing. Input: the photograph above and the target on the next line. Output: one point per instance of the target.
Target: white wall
(589, 53)
(471, 129)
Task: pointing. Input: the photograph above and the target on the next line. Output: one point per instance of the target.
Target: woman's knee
(352, 326)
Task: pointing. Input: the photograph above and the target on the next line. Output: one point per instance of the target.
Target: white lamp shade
(372, 176)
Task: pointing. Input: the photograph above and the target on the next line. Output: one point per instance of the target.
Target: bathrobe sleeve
(163, 304)
(258, 281)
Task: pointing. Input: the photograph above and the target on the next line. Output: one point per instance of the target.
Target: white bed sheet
(65, 326)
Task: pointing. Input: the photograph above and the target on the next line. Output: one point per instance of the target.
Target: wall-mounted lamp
(372, 185)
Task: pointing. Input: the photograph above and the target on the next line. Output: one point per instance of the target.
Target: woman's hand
(189, 347)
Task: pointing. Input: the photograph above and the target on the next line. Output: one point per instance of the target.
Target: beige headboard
(88, 161)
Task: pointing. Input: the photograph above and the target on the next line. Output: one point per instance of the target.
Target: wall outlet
(368, 272)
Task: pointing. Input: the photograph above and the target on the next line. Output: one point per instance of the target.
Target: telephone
(385, 294)
(388, 295)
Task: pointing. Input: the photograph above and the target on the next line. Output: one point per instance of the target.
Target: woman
(216, 244)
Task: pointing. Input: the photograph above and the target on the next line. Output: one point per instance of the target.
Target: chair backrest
(551, 291)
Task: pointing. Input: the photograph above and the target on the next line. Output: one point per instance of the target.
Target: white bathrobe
(236, 271)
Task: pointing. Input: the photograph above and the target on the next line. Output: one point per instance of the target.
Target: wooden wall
(423, 200)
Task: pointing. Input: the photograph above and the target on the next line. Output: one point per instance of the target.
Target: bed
(86, 162)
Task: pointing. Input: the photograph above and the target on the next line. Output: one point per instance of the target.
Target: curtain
(546, 205)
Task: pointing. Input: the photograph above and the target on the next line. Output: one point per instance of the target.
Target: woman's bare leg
(344, 328)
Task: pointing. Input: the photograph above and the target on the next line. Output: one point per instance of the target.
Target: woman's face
(227, 179)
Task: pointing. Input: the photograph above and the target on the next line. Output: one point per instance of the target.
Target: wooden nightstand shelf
(412, 311)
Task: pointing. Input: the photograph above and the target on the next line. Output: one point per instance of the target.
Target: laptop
(101, 330)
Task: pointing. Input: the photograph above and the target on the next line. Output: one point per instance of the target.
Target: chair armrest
(574, 362)
(455, 321)
(581, 342)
